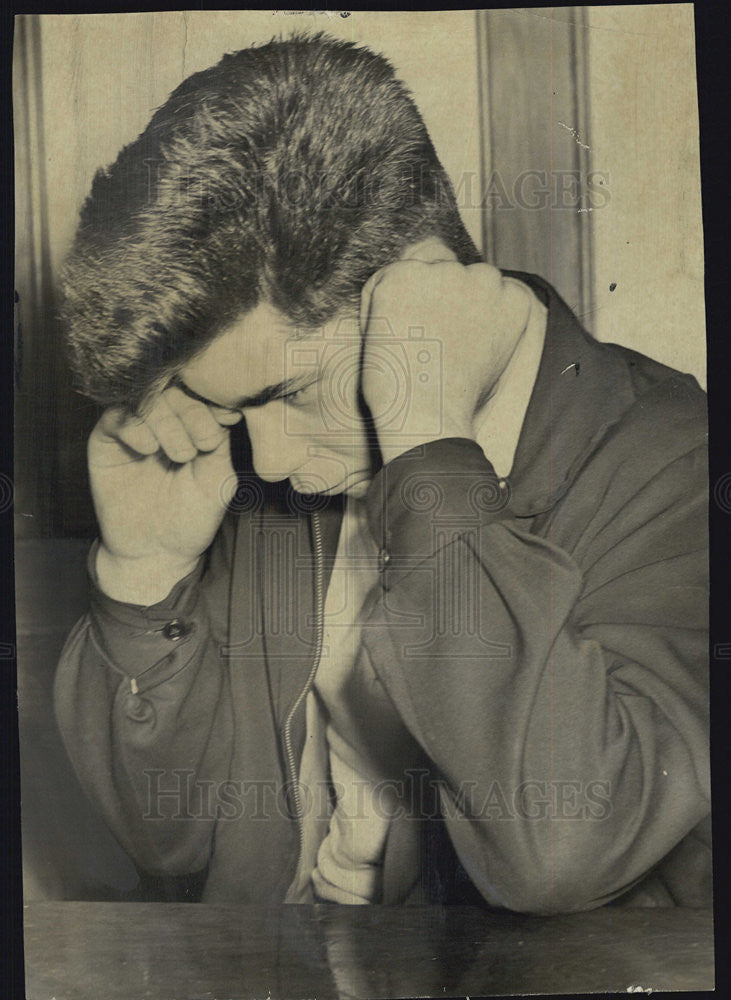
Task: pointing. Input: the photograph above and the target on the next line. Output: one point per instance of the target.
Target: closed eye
(297, 397)
(259, 399)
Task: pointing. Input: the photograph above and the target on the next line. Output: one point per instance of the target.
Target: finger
(428, 251)
(226, 418)
(116, 425)
(432, 250)
(202, 428)
(391, 272)
(167, 427)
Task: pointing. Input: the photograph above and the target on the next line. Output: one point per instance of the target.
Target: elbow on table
(547, 886)
(548, 898)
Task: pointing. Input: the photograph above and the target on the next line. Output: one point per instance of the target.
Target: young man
(440, 636)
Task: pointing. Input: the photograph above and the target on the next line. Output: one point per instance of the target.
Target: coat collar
(582, 388)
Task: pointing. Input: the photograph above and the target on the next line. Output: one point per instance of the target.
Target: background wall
(648, 241)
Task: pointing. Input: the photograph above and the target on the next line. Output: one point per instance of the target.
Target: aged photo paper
(360, 498)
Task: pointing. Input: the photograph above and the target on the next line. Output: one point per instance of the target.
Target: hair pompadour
(287, 173)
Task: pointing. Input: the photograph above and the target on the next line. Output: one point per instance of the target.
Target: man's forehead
(256, 339)
(262, 331)
(260, 349)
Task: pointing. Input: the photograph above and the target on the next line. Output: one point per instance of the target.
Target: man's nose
(276, 450)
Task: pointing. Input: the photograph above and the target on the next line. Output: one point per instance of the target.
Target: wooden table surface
(110, 951)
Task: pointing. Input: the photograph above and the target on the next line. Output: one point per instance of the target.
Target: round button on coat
(174, 630)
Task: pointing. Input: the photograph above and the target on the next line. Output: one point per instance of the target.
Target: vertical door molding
(35, 426)
(536, 156)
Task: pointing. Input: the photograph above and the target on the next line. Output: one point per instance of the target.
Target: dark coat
(542, 639)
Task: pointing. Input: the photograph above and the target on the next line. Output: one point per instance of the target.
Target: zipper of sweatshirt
(319, 632)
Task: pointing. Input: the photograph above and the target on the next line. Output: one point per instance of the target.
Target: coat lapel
(287, 586)
(256, 846)
(272, 630)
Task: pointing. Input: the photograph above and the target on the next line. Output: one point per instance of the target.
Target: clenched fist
(450, 331)
(160, 483)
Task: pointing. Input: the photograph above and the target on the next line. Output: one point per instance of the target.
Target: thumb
(216, 469)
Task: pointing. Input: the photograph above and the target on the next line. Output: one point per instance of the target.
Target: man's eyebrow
(271, 392)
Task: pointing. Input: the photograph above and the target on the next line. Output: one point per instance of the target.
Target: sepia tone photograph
(361, 504)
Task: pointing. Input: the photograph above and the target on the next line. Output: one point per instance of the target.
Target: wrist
(144, 580)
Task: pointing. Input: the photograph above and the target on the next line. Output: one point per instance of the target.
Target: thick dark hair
(287, 173)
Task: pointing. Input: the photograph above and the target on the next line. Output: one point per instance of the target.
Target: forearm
(565, 775)
(568, 727)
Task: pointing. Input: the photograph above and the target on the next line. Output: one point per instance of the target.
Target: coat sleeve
(141, 702)
(556, 681)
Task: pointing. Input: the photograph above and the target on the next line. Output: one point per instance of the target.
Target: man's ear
(431, 250)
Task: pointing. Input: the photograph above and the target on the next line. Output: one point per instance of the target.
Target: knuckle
(187, 406)
(130, 429)
(201, 425)
(168, 424)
